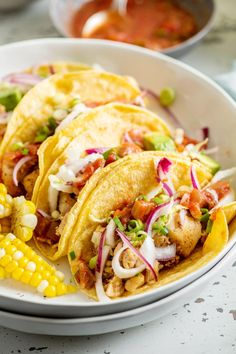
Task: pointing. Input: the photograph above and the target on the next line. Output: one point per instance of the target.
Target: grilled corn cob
(23, 218)
(6, 202)
(20, 262)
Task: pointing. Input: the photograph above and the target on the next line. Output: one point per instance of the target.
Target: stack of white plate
(200, 103)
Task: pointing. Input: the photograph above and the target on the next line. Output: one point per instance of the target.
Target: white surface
(200, 327)
(119, 57)
(109, 323)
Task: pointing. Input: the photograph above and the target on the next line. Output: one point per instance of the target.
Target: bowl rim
(197, 37)
(148, 53)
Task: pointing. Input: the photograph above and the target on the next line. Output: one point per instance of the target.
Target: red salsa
(155, 24)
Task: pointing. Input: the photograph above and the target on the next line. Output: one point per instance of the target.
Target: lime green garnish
(160, 225)
(93, 262)
(135, 225)
(75, 101)
(72, 255)
(209, 226)
(136, 238)
(25, 151)
(167, 96)
(17, 146)
(142, 197)
(52, 124)
(160, 199)
(205, 215)
(118, 223)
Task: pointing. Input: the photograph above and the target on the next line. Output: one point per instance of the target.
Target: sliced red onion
(138, 254)
(43, 213)
(148, 250)
(100, 249)
(194, 179)
(23, 79)
(164, 165)
(162, 209)
(175, 120)
(122, 272)
(163, 168)
(165, 253)
(100, 150)
(223, 174)
(18, 166)
(167, 189)
(100, 289)
(110, 233)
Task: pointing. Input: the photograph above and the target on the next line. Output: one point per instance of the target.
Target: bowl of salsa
(170, 26)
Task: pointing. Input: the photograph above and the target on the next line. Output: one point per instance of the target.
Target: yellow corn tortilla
(57, 92)
(46, 69)
(134, 175)
(102, 127)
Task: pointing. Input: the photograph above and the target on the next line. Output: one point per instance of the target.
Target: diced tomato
(128, 148)
(33, 149)
(111, 158)
(136, 135)
(193, 201)
(124, 214)
(141, 209)
(88, 171)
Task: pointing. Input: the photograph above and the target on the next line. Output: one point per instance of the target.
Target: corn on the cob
(23, 218)
(6, 202)
(20, 262)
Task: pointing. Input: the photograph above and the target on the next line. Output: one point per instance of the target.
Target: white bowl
(200, 102)
(113, 322)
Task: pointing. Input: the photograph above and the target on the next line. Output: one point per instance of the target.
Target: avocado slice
(158, 142)
(212, 164)
(10, 97)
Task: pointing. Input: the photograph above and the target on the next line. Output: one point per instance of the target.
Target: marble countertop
(205, 325)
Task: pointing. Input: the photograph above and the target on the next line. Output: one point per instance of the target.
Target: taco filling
(154, 232)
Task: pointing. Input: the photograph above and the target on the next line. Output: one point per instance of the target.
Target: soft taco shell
(103, 126)
(135, 175)
(93, 87)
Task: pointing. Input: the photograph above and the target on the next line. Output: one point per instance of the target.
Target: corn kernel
(60, 275)
(42, 286)
(17, 274)
(50, 291)
(5, 260)
(46, 274)
(11, 249)
(5, 243)
(23, 262)
(61, 289)
(11, 266)
(53, 280)
(30, 207)
(2, 273)
(39, 268)
(24, 233)
(26, 276)
(36, 280)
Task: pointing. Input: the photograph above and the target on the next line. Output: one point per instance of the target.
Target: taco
(83, 153)
(150, 221)
(50, 106)
(14, 86)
